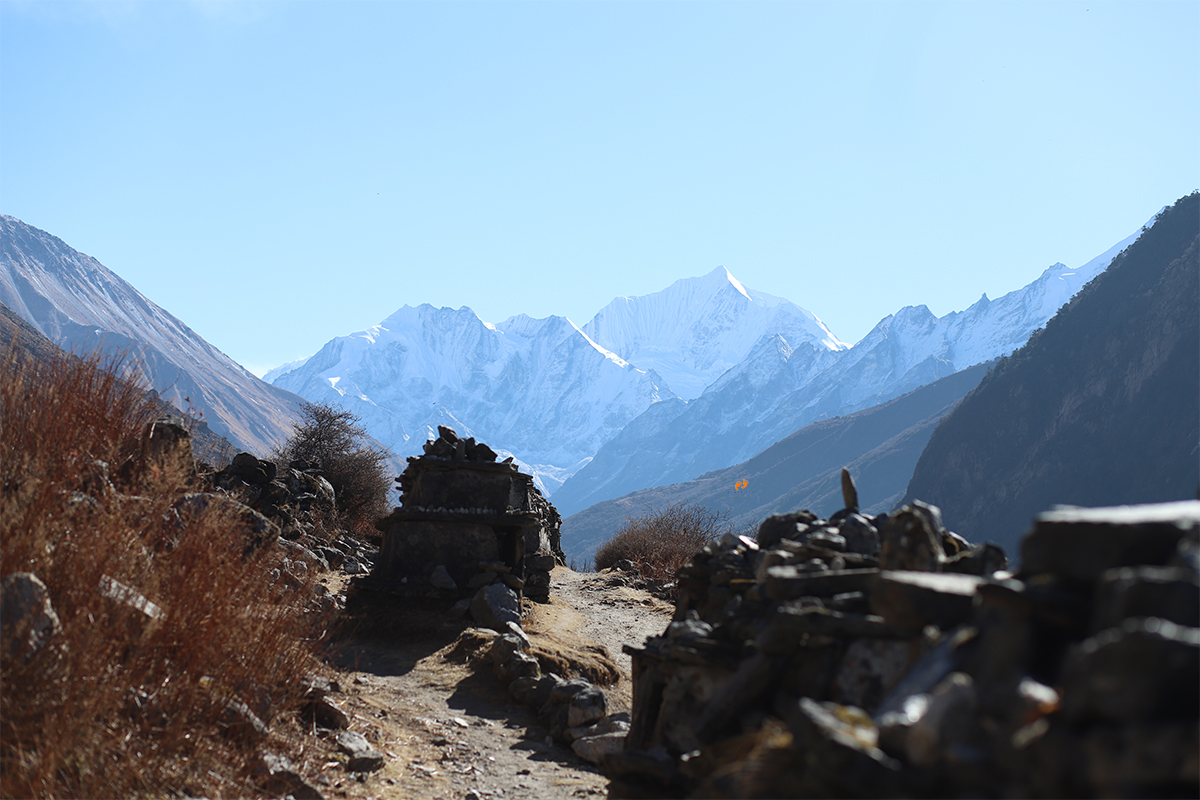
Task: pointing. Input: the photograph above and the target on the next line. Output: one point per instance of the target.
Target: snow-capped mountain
(782, 385)
(698, 328)
(81, 306)
(538, 389)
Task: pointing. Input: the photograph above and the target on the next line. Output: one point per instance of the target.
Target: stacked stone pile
(885, 656)
(465, 522)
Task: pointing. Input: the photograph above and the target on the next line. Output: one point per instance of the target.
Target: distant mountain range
(1101, 408)
(783, 384)
(656, 389)
(82, 306)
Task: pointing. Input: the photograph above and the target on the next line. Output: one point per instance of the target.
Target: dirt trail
(452, 732)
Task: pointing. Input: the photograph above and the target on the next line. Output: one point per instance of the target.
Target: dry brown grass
(660, 542)
(118, 704)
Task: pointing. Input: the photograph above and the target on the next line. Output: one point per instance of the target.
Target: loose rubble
(886, 656)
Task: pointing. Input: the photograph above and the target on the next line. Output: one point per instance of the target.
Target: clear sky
(276, 174)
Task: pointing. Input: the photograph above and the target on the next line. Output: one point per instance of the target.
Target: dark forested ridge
(1102, 407)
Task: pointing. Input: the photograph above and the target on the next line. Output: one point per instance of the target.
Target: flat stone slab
(1079, 544)
(788, 582)
(915, 599)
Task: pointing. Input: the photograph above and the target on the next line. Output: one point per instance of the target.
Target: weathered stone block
(789, 582)
(1080, 544)
(1169, 593)
(1147, 669)
(27, 617)
(916, 599)
(911, 539)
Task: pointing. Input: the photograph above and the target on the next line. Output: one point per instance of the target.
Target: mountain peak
(697, 328)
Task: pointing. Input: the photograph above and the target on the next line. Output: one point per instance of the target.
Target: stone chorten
(466, 521)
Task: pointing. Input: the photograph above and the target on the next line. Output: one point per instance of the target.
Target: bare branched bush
(660, 542)
(331, 439)
(169, 630)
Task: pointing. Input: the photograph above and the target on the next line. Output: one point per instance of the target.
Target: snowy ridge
(537, 389)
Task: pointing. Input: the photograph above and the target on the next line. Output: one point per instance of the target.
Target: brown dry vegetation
(660, 542)
(119, 704)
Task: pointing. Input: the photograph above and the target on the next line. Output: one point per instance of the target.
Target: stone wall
(885, 656)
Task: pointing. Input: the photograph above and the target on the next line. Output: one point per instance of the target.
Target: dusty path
(452, 732)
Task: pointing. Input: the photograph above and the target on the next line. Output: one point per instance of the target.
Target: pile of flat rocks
(885, 656)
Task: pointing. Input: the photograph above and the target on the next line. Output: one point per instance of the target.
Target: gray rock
(849, 493)
(540, 692)
(860, 535)
(945, 721)
(325, 713)
(911, 539)
(982, 560)
(595, 748)
(27, 619)
(616, 723)
(783, 526)
(440, 579)
(869, 669)
(494, 606)
(518, 665)
(587, 707)
(363, 757)
(789, 582)
(544, 562)
(837, 746)
(276, 776)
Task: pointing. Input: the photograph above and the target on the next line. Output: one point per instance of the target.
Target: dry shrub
(121, 704)
(331, 438)
(660, 542)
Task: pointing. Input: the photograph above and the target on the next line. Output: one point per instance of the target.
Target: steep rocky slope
(1100, 408)
(82, 306)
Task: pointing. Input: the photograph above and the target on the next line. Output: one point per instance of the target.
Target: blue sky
(276, 174)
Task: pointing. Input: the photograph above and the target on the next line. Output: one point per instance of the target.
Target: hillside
(1102, 407)
(82, 306)
(16, 333)
(879, 445)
